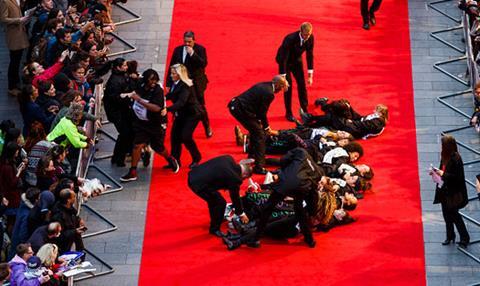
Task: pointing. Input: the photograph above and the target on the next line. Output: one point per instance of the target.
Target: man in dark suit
(250, 109)
(194, 57)
(220, 173)
(368, 14)
(289, 59)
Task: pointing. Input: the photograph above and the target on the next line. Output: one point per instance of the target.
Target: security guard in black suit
(220, 173)
(289, 59)
(250, 109)
(298, 178)
(194, 57)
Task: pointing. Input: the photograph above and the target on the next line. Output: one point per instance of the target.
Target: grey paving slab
(445, 265)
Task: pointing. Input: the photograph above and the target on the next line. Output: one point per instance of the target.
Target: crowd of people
(57, 55)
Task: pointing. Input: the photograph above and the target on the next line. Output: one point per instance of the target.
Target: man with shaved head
(250, 109)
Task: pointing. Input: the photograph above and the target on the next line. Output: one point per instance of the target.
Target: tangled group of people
(316, 184)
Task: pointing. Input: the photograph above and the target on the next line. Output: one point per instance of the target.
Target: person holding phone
(452, 194)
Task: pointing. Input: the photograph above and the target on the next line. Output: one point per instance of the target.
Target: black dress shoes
(193, 165)
(217, 233)
(373, 21)
(290, 117)
(259, 170)
(366, 26)
(463, 244)
(253, 243)
(208, 132)
(447, 241)
(231, 244)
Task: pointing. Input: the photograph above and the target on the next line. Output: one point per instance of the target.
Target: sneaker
(146, 158)
(131, 176)
(173, 164)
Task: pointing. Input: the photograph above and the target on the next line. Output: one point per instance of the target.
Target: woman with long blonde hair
(187, 113)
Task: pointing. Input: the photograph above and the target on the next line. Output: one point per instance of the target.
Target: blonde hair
(48, 254)
(182, 72)
(306, 27)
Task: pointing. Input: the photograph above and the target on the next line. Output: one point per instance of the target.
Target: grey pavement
(445, 265)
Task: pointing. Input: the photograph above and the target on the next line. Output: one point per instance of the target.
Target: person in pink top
(36, 72)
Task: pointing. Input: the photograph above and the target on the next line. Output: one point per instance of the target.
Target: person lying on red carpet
(328, 209)
(340, 115)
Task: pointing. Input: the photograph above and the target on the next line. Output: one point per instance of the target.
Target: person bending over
(220, 173)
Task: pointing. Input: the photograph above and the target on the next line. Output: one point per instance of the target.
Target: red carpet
(385, 246)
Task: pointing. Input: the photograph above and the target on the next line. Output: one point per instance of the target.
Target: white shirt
(184, 55)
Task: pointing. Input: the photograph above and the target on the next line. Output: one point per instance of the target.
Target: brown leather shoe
(239, 136)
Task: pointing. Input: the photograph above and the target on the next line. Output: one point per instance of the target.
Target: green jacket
(67, 128)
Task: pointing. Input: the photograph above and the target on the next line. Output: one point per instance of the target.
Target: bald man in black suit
(289, 59)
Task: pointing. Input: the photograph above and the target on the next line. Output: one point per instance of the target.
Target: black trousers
(216, 206)
(257, 145)
(300, 215)
(14, 69)
(123, 123)
(452, 217)
(182, 133)
(299, 75)
(366, 11)
(200, 92)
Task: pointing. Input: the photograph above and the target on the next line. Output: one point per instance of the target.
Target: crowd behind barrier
(44, 165)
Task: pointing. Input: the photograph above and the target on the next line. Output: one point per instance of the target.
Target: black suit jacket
(256, 101)
(219, 173)
(453, 183)
(195, 65)
(290, 52)
(298, 173)
(185, 102)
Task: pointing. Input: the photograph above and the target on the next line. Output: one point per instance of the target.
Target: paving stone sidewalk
(445, 265)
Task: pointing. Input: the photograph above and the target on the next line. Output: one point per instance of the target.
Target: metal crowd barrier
(472, 70)
(87, 156)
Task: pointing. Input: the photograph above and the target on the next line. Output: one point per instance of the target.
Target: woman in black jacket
(453, 193)
(187, 114)
(119, 110)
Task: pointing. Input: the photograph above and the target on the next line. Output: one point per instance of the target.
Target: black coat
(290, 52)
(195, 65)
(453, 193)
(118, 83)
(67, 218)
(219, 173)
(185, 103)
(256, 101)
(298, 173)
